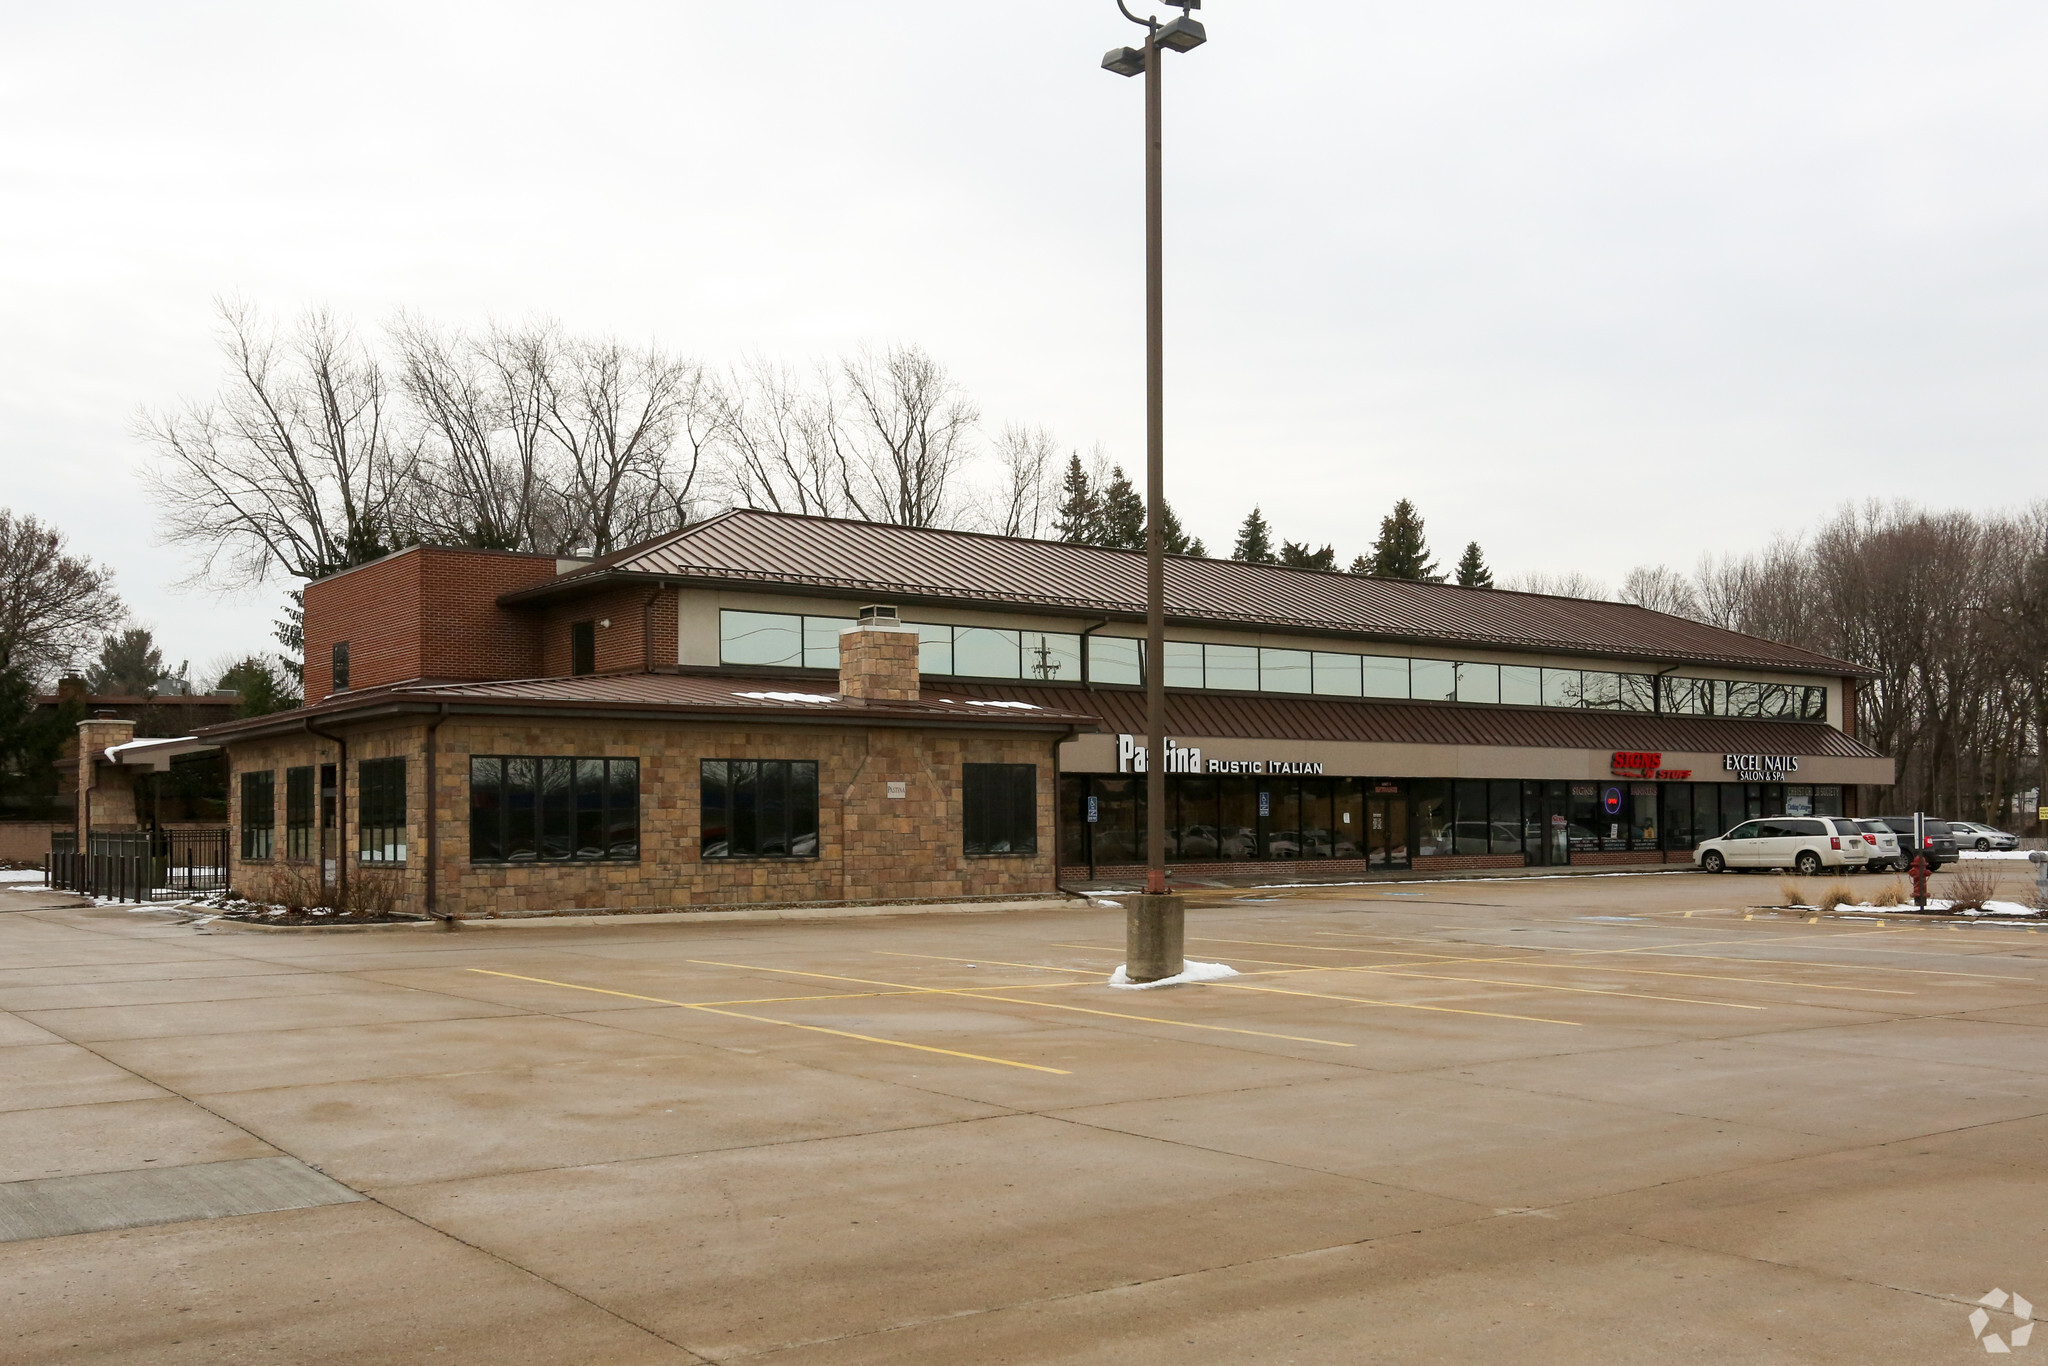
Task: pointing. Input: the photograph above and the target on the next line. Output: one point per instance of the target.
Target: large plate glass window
(775, 639)
(259, 814)
(1478, 682)
(554, 809)
(298, 812)
(1338, 675)
(1386, 676)
(1284, 671)
(934, 649)
(1563, 688)
(821, 641)
(1184, 665)
(1433, 680)
(1521, 685)
(1115, 659)
(999, 808)
(759, 808)
(380, 811)
(1052, 656)
(1228, 666)
(1638, 692)
(986, 652)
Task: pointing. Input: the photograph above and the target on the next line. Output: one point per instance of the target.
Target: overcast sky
(1595, 284)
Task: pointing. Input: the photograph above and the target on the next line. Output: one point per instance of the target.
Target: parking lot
(1587, 1119)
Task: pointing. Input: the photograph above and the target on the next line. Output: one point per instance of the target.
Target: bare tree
(633, 426)
(1025, 500)
(1661, 589)
(298, 466)
(902, 437)
(1570, 584)
(775, 441)
(485, 477)
(53, 605)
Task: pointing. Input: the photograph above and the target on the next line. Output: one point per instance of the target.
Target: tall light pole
(1154, 923)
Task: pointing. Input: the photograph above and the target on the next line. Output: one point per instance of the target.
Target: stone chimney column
(878, 658)
(106, 792)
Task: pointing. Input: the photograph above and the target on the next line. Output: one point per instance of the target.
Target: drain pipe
(434, 820)
(340, 807)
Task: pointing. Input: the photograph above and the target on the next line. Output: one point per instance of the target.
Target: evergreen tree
(290, 631)
(1178, 542)
(1120, 522)
(1360, 565)
(1254, 540)
(1401, 552)
(1080, 507)
(1301, 557)
(31, 738)
(130, 665)
(262, 685)
(1472, 570)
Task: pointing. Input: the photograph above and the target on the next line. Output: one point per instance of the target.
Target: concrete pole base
(1155, 933)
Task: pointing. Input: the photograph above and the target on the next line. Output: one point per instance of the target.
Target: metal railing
(139, 865)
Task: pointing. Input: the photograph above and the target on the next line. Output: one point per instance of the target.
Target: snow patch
(1191, 971)
(2020, 854)
(788, 696)
(18, 875)
(1019, 706)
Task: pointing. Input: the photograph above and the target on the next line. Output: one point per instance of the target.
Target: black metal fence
(139, 865)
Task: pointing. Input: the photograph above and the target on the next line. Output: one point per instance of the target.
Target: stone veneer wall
(872, 846)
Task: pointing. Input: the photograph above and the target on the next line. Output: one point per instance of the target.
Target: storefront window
(1195, 835)
(380, 810)
(1347, 833)
(1584, 830)
(984, 652)
(1119, 825)
(1433, 680)
(1115, 659)
(1284, 670)
(1317, 840)
(1602, 690)
(1799, 801)
(1613, 817)
(1677, 817)
(1827, 800)
(1743, 699)
(1638, 692)
(1340, 676)
(1814, 706)
(1505, 832)
(999, 808)
(1479, 683)
(1563, 687)
(1521, 685)
(1432, 817)
(1470, 820)
(259, 814)
(1680, 696)
(590, 807)
(1237, 817)
(756, 808)
(1642, 832)
(1279, 819)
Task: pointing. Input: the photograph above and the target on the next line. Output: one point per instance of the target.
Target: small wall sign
(898, 791)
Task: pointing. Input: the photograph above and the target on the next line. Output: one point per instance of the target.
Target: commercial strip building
(707, 720)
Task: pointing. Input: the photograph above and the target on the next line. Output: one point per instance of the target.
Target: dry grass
(1838, 894)
(1893, 893)
(1971, 885)
(1792, 894)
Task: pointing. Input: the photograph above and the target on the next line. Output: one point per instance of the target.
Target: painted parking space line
(1413, 975)
(1536, 962)
(786, 1024)
(981, 994)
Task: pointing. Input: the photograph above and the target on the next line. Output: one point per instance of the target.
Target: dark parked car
(1941, 842)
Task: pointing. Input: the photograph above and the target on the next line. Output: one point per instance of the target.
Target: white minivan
(1805, 844)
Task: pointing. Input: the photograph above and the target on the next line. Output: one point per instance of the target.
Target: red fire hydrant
(1919, 872)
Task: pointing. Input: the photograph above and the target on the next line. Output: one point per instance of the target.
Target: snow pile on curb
(2020, 854)
(1190, 972)
(2000, 909)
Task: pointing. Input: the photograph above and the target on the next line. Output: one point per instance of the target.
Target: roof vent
(879, 615)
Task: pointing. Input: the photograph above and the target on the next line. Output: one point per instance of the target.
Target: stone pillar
(106, 792)
(1155, 933)
(878, 658)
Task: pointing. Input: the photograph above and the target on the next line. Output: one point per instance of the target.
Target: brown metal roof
(1264, 717)
(671, 694)
(892, 563)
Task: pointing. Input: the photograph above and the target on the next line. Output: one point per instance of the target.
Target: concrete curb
(539, 922)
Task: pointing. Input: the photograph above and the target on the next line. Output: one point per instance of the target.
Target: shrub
(1793, 893)
(1838, 895)
(1893, 893)
(1971, 885)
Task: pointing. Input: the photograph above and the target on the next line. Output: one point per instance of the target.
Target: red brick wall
(424, 613)
(1458, 862)
(621, 647)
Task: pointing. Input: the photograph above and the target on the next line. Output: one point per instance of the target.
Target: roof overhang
(156, 755)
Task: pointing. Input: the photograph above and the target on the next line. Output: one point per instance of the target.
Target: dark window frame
(381, 812)
(299, 807)
(758, 809)
(259, 815)
(340, 667)
(999, 810)
(582, 648)
(509, 812)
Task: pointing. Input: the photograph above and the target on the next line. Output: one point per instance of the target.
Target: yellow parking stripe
(1403, 971)
(787, 1024)
(1595, 967)
(981, 995)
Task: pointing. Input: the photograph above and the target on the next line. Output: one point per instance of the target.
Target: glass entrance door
(1386, 832)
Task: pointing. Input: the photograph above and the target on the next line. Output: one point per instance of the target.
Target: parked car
(1941, 842)
(1982, 838)
(1879, 834)
(1805, 844)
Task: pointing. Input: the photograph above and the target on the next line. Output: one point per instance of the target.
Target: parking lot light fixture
(1154, 922)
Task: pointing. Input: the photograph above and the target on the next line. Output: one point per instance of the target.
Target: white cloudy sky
(1593, 283)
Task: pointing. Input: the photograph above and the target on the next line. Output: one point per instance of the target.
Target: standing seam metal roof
(870, 558)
